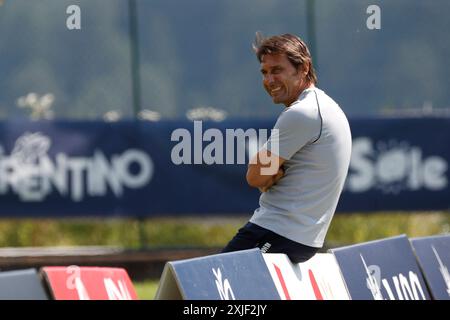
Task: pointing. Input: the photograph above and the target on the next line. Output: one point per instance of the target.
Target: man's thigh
(247, 237)
(297, 252)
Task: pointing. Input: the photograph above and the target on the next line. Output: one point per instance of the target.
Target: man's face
(280, 78)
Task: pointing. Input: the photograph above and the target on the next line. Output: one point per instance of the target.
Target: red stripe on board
(283, 284)
(315, 287)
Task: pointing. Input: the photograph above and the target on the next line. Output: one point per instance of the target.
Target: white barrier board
(316, 279)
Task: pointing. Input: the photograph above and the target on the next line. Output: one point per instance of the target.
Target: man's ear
(304, 69)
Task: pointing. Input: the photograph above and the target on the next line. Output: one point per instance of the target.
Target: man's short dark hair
(292, 46)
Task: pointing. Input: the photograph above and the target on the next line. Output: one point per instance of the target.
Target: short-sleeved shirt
(315, 140)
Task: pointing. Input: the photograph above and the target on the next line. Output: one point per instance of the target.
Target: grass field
(207, 231)
(146, 290)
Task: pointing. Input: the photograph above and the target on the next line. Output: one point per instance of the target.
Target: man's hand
(276, 177)
(264, 170)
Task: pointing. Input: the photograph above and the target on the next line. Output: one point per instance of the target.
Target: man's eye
(276, 71)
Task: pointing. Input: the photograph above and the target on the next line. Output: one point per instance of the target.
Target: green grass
(206, 231)
(146, 290)
(357, 228)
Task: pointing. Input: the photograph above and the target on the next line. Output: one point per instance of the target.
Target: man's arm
(264, 170)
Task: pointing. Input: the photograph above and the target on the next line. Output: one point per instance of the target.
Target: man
(302, 168)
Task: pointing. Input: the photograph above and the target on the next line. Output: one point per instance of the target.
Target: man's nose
(268, 79)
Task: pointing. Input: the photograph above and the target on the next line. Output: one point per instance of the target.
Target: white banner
(316, 279)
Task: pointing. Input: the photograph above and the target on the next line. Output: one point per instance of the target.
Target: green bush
(207, 231)
(357, 228)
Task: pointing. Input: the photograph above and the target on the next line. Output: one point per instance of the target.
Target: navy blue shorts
(253, 236)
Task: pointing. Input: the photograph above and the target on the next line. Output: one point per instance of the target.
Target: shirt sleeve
(293, 130)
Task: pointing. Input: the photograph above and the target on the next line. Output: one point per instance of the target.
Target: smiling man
(302, 168)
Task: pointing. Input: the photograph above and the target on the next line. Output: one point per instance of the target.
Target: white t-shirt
(315, 139)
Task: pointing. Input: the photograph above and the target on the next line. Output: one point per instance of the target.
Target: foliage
(208, 231)
(357, 228)
(146, 290)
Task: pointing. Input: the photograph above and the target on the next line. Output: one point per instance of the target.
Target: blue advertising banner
(240, 275)
(433, 255)
(398, 164)
(141, 168)
(381, 270)
(126, 168)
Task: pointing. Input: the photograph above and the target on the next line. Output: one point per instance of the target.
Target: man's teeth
(275, 90)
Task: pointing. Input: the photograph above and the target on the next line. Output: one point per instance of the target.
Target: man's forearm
(262, 173)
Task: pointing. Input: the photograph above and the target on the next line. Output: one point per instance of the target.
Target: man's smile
(275, 90)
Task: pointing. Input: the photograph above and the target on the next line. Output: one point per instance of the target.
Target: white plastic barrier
(316, 279)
